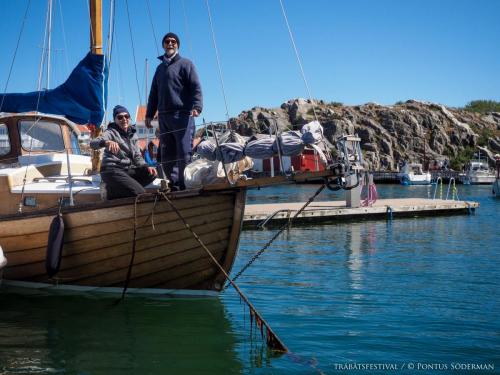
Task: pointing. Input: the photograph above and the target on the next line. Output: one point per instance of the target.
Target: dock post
(353, 196)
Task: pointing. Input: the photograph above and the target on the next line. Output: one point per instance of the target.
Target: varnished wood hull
(99, 238)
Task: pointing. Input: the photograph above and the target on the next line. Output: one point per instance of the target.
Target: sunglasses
(121, 117)
(170, 41)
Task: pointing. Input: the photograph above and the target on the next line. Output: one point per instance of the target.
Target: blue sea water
(412, 295)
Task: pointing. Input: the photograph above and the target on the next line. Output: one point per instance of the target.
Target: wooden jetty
(265, 215)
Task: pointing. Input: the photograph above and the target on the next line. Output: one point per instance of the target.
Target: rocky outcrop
(411, 131)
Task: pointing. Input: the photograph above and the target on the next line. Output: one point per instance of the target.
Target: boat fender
(3, 260)
(54, 246)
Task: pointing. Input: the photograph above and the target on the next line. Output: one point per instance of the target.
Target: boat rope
(15, 53)
(272, 340)
(298, 60)
(152, 27)
(134, 246)
(133, 52)
(287, 225)
(218, 59)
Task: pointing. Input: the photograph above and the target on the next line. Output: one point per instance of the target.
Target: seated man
(123, 169)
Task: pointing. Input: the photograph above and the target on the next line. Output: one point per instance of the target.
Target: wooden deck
(332, 211)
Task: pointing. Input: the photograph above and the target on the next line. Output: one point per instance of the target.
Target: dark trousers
(123, 183)
(176, 142)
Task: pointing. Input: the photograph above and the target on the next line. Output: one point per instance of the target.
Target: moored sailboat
(99, 245)
(59, 233)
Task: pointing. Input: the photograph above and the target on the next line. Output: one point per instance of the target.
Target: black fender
(54, 246)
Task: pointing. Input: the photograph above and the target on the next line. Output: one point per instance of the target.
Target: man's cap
(119, 109)
(171, 35)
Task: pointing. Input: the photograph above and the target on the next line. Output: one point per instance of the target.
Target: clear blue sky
(358, 51)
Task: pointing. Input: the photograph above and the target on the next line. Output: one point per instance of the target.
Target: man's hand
(147, 122)
(113, 147)
(152, 171)
(195, 113)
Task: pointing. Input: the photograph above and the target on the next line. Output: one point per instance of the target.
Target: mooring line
(287, 225)
(272, 340)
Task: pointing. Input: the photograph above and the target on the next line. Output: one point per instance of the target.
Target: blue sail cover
(81, 99)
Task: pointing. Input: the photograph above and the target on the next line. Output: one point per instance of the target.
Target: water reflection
(80, 335)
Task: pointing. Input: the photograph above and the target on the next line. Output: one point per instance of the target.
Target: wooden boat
(99, 234)
(147, 245)
(140, 243)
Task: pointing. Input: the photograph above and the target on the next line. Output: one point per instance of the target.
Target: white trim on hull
(36, 288)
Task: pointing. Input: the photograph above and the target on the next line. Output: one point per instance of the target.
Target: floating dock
(268, 215)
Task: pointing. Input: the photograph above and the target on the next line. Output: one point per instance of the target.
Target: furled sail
(81, 99)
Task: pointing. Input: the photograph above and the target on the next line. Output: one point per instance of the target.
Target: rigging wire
(119, 73)
(49, 44)
(61, 18)
(186, 27)
(152, 27)
(298, 59)
(218, 59)
(169, 13)
(109, 47)
(133, 52)
(15, 53)
(92, 37)
(42, 57)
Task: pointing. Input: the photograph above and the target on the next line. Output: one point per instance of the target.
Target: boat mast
(96, 49)
(96, 27)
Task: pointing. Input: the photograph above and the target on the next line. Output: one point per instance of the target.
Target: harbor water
(409, 295)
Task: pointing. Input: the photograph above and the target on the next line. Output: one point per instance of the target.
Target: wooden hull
(99, 239)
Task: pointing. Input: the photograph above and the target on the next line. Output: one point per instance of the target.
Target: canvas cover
(81, 99)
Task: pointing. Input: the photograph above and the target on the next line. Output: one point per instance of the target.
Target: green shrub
(484, 136)
(482, 106)
(458, 161)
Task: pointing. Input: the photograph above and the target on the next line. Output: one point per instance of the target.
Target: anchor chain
(287, 225)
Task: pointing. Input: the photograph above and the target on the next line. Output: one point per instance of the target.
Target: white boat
(477, 172)
(413, 174)
(496, 184)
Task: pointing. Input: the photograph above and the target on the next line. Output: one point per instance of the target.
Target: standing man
(176, 95)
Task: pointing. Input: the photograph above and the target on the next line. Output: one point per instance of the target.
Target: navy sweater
(175, 87)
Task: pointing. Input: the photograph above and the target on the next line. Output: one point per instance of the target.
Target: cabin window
(41, 136)
(4, 140)
(75, 146)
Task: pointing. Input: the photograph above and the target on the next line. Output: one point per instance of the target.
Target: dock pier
(268, 215)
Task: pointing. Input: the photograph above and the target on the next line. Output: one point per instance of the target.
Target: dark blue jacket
(175, 87)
